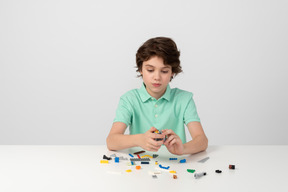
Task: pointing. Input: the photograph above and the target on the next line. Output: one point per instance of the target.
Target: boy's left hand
(173, 142)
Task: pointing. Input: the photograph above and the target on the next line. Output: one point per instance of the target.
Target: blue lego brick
(163, 167)
(182, 161)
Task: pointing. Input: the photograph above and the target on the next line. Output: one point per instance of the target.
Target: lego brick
(155, 156)
(173, 172)
(136, 159)
(131, 155)
(218, 171)
(146, 156)
(105, 157)
(191, 170)
(144, 162)
(116, 159)
(104, 161)
(138, 167)
(123, 158)
(231, 166)
(163, 167)
(172, 159)
(154, 172)
(204, 160)
(198, 175)
(139, 152)
(154, 176)
(174, 176)
(182, 161)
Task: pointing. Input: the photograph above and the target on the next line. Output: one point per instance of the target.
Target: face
(156, 76)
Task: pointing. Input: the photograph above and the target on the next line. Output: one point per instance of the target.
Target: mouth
(156, 84)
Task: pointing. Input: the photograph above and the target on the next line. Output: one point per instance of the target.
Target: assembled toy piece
(159, 132)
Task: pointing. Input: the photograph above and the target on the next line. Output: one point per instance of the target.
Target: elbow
(205, 143)
(108, 144)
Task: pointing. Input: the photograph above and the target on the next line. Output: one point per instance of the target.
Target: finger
(170, 137)
(158, 136)
(153, 129)
(169, 132)
(172, 142)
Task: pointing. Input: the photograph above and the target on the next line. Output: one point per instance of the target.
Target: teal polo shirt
(140, 111)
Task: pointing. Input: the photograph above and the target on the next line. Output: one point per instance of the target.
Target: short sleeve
(123, 112)
(190, 113)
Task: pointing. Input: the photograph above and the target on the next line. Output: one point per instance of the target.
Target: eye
(165, 71)
(150, 70)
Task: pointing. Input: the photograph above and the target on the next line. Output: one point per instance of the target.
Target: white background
(64, 64)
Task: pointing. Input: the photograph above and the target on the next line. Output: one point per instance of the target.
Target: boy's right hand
(148, 141)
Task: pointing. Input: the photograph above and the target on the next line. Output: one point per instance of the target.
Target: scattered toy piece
(172, 171)
(138, 156)
(104, 161)
(163, 167)
(131, 155)
(139, 152)
(146, 156)
(138, 167)
(174, 176)
(156, 162)
(198, 175)
(155, 156)
(218, 171)
(105, 157)
(136, 159)
(123, 158)
(182, 161)
(144, 162)
(191, 170)
(204, 160)
(171, 159)
(231, 166)
(128, 170)
(116, 159)
(154, 176)
(154, 172)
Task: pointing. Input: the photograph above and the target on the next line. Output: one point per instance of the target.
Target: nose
(157, 75)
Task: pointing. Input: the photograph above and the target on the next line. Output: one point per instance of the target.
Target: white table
(77, 168)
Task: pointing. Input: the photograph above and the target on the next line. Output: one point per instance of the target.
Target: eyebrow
(147, 65)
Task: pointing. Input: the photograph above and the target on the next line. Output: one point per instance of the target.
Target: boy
(157, 107)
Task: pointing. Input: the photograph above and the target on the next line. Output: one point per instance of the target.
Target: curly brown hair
(163, 47)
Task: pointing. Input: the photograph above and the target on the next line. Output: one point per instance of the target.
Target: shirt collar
(146, 96)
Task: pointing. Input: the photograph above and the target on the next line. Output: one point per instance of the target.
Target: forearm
(198, 144)
(120, 141)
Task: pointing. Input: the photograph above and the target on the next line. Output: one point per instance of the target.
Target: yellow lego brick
(146, 156)
(172, 171)
(128, 170)
(104, 161)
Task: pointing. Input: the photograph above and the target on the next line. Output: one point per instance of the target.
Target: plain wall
(64, 64)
